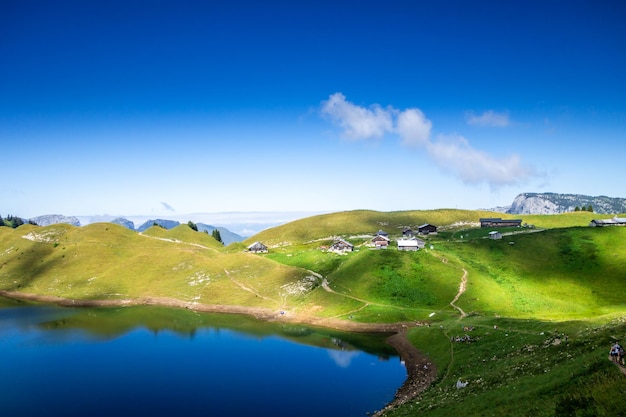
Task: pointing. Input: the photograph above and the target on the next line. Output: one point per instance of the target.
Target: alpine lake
(153, 361)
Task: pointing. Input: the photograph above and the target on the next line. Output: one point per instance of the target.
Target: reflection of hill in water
(110, 323)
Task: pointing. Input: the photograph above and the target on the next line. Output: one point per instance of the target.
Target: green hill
(359, 222)
(543, 303)
(107, 261)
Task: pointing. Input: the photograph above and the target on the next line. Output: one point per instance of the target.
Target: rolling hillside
(525, 274)
(108, 261)
(535, 310)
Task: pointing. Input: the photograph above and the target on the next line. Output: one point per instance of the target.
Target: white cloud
(357, 122)
(453, 154)
(343, 358)
(413, 127)
(489, 118)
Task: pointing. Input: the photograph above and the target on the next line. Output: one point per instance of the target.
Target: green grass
(566, 278)
(106, 261)
(525, 367)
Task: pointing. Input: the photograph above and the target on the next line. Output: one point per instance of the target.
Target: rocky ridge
(555, 203)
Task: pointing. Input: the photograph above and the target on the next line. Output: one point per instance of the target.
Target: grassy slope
(106, 261)
(539, 283)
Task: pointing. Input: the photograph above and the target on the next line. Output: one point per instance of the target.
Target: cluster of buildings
(409, 241)
(381, 240)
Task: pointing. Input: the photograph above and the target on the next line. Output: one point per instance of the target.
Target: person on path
(614, 352)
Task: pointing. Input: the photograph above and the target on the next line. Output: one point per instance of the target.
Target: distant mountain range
(525, 203)
(555, 203)
(226, 235)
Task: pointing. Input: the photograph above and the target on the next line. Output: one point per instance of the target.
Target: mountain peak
(555, 203)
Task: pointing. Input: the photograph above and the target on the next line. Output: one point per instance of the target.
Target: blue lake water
(160, 362)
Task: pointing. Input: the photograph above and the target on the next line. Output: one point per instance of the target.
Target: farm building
(615, 221)
(410, 244)
(380, 242)
(426, 229)
(498, 222)
(341, 246)
(407, 232)
(257, 247)
(495, 235)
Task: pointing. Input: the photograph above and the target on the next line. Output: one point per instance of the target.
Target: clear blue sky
(163, 107)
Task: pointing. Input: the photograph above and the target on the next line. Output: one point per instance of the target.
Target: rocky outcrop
(48, 219)
(554, 203)
(124, 222)
(164, 223)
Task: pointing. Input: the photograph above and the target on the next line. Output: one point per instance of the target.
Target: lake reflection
(162, 362)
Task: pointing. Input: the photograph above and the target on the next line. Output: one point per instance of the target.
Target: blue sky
(177, 107)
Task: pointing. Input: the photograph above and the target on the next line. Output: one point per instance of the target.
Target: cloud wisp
(357, 122)
(453, 154)
(167, 207)
(489, 118)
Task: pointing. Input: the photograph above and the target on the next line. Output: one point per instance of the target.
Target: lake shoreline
(421, 372)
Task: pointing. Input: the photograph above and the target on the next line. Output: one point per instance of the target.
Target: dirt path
(620, 367)
(462, 288)
(248, 289)
(327, 288)
(164, 239)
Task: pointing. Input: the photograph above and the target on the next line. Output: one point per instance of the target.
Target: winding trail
(164, 239)
(462, 288)
(327, 288)
(248, 289)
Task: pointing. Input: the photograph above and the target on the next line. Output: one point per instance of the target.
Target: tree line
(583, 208)
(14, 221)
(215, 233)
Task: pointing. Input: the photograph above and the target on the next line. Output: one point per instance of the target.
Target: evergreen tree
(590, 209)
(217, 236)
(192, 225)
(16, 222)
(577, 208)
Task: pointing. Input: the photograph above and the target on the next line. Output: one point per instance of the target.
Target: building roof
(342, 242)
(257, 245)
(614, 220)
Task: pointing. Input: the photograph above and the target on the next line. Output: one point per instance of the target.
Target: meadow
(539, 309)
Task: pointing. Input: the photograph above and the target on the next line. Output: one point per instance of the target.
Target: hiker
(620, 356)
(614, 352)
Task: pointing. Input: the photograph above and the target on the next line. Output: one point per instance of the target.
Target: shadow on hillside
(26, 264)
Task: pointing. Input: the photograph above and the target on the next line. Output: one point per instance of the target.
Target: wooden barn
(498, 222)
(380, 242)
(257, 247)
(427, 229)
(341, 246)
